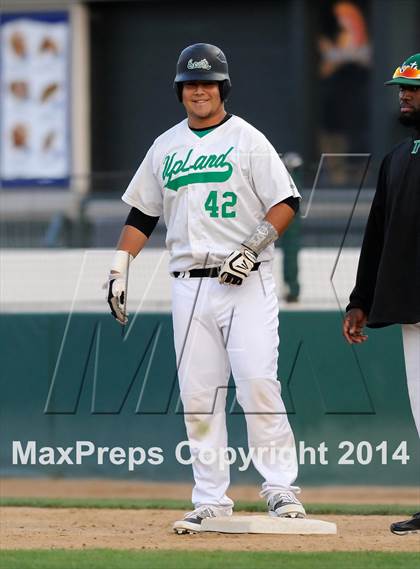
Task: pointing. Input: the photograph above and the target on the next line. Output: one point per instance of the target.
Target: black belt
(201, 273)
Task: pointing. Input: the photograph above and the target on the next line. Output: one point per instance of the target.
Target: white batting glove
(237, 266)
(116, 296)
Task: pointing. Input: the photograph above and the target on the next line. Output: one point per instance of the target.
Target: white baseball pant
(411, 343)
(219, 328)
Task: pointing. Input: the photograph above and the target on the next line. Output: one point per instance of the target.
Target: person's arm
(136, 231)
(279, 196)
(134, 235)
(144, 195)
(239, 263)
(361, 298)
(281, 215)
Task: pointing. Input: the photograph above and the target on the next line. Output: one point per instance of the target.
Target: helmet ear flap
(224, 88)
(178, 90)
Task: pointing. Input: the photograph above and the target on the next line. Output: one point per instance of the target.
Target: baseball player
(388, 277)
(226, 197)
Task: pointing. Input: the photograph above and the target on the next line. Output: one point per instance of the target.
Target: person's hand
(116, 296)
(237, 266)
(353, 324)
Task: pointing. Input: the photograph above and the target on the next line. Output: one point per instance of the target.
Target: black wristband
(141, 221)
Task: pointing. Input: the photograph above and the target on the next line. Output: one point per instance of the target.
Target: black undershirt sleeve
(141, 221)
(293, 203)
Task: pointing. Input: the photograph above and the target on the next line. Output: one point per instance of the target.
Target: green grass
(130, 504)
(112, 559)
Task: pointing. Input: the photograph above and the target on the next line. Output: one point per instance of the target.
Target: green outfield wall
(76, 383)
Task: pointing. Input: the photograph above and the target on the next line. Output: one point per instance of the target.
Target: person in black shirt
(387, 289)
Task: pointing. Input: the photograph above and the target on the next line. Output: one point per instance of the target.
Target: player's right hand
(237, 266)
(353, 324)
(116, 296)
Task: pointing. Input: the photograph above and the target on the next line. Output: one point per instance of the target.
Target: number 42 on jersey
(213, 206)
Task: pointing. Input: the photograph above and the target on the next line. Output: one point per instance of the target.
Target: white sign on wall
(35, 99)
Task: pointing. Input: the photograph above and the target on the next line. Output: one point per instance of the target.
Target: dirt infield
(91, 488)
(75, 528)
(27, 528)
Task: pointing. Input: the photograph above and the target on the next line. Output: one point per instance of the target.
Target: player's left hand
(237, 266)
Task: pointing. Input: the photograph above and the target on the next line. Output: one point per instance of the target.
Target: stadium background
(67, 374)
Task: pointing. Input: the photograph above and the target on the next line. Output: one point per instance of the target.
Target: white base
(267, 524)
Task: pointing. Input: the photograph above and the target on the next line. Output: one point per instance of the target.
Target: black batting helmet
(202, 62)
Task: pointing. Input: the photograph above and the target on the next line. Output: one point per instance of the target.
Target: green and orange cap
(408, 73)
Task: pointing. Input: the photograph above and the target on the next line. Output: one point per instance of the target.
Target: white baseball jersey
(212, 190)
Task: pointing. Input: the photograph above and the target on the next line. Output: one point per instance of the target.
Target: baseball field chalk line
(266, 524)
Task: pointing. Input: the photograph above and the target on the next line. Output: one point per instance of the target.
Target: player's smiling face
(202, 103)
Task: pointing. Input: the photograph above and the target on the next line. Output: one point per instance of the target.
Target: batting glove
(237, 266)
(116, 296)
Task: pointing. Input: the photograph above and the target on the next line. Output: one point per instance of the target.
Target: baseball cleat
(285, 505)
(407, 526)
(191, 523)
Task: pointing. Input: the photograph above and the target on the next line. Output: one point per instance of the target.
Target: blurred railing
(57, 218)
